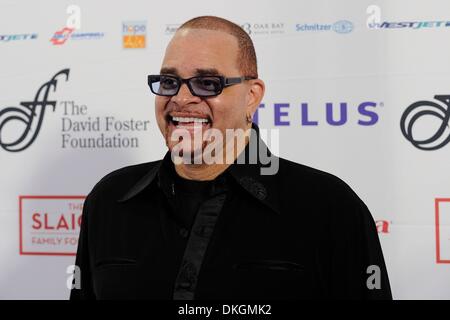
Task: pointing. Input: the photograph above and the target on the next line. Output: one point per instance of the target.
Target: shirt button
(184, 233)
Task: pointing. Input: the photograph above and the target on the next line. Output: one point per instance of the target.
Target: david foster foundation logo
(50, 225)
(80, 130)
(29, 116)
(426, 123)
(79, 127)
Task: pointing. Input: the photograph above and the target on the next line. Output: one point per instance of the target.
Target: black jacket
(301, 233)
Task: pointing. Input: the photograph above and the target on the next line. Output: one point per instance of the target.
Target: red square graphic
(442, 207)
(49, 225)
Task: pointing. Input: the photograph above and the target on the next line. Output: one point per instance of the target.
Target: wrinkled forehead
(194, 52)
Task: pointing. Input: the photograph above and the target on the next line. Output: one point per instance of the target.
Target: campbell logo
(60, 37)
(30, 115)
(437, 133)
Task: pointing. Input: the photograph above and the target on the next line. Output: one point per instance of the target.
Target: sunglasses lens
(164, 85)
(206, 86)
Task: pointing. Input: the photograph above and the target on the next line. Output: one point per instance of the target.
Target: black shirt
(300, 233)
(189, 195)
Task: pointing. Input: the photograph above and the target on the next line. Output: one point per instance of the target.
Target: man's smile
(188, 120)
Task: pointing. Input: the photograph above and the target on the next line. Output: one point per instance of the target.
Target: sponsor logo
(29, 115)
(442, 212)
(171, 28)
(426, 123)
(20, 126)
(60, 37)
(50, 225)
(414, 25)
(341, 27)
(18, 37)
(134, 34)
(333, 114)
(264, 29)
(81, 131)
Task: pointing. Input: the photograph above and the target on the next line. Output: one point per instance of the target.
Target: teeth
(186, 119)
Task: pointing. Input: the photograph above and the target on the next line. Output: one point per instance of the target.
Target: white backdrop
(313, 55)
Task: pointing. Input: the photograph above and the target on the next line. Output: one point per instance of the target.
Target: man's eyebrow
(207, 72)
(169, 71)
(198, 72)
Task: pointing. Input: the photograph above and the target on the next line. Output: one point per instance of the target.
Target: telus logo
(333, 114)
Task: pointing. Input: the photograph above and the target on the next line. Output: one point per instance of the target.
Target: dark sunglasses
(200, 86)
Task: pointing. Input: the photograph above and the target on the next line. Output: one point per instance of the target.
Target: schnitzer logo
(50, 225)
(30, 114)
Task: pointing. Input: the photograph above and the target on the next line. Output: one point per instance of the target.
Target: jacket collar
(247, 174)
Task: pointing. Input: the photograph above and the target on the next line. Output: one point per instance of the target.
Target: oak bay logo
(29, 115)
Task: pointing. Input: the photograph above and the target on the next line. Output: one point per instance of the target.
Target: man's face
(194, 52)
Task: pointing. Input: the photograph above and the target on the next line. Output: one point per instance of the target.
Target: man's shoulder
(305, 173)
(297, 176)
(119, 181)
(320, 190)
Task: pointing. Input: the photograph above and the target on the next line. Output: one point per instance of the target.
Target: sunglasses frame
(224, 83)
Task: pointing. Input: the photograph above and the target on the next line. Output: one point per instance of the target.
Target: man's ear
(255, 95)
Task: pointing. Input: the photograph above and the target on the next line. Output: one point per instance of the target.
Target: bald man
(220, 217)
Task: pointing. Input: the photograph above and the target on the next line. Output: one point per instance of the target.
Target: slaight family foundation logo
(49, 225)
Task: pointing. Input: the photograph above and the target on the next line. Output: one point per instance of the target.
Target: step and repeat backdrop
(357, 88)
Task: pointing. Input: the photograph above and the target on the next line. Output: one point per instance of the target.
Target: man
(200, 229)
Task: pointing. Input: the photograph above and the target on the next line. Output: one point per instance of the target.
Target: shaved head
(246, 59)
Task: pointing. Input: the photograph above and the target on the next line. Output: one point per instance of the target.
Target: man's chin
(186, 155)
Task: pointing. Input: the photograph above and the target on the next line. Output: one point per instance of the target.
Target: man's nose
(184, 96)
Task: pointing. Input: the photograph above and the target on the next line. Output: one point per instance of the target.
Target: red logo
(60, 37)
(442, 208)
(50, 225)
